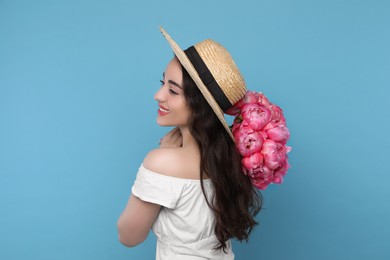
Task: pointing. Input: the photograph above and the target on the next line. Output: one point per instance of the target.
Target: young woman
(192, 190)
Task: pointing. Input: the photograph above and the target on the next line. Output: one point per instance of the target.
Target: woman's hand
(172, 139)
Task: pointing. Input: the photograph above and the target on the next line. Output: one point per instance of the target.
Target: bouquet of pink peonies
(260, 131)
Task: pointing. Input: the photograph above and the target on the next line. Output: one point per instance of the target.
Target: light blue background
(77, 116)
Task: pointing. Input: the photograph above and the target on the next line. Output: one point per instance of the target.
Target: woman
(192, 190)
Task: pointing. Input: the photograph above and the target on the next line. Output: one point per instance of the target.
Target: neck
(188, 139)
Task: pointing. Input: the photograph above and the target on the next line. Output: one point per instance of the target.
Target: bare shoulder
(172, 162)
(162, 160)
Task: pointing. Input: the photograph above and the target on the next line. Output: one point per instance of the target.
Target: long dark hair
(236, 201)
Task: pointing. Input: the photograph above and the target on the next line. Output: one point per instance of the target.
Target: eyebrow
(173, 82)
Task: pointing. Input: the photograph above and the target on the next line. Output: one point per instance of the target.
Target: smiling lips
(162, 110)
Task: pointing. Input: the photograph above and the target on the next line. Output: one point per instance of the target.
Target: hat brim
(182, 57)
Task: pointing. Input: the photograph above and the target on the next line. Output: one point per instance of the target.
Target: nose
(159, 95)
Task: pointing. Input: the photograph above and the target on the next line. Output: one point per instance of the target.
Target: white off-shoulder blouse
(185, 225)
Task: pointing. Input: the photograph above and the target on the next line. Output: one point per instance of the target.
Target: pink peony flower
(256, 115)
(253, 162)
(261, 99)
(262, 178)
(280, 172)
(247, 140)
(277, 115)
(279, 133)
(261, 134)
(277, 178)
(274, 153)
(249, 98)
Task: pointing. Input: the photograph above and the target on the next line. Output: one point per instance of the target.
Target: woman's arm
(138, 216)
(136, 221)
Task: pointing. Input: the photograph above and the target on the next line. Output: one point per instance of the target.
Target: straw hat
(214, 72)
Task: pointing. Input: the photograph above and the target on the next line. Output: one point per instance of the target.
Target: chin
(162, 123)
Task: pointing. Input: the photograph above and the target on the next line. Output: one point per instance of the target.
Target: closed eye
(173, 92)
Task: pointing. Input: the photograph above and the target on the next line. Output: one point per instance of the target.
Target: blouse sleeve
(156, 188)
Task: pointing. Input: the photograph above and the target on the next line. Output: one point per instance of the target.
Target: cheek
(184, 111)
(187, 113)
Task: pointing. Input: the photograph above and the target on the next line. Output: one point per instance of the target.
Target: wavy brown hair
(236, 201)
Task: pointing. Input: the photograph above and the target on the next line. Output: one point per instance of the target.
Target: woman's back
(185, 225)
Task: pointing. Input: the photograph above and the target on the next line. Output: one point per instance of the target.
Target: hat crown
(223, 68)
